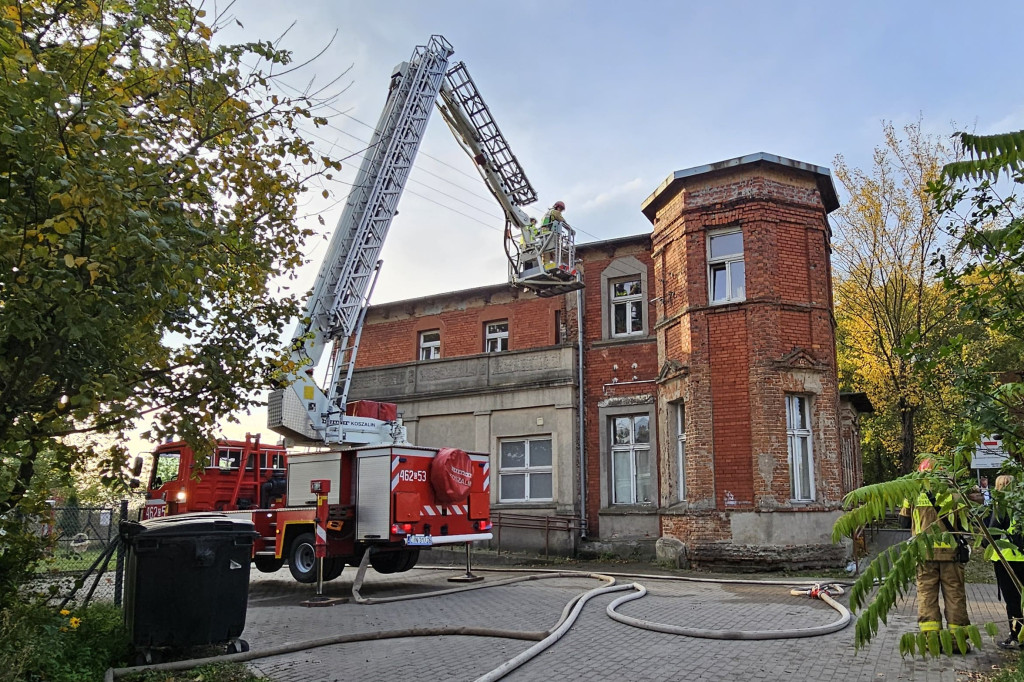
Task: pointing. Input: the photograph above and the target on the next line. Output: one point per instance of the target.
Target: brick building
(709, 414)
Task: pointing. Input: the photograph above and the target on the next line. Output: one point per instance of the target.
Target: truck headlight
(180, 497)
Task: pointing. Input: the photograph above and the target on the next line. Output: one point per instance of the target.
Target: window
(726, 273)
(228, 458)
(801, 455)
(167, 465)
(632, 468)
(496, 336)
(273, 460)
(627, 307)
(681, 450)
(525, 470)
(430, 344)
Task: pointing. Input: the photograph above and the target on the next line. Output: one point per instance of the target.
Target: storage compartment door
(373, 498)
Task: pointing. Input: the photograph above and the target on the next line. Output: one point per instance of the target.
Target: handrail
(548, 522)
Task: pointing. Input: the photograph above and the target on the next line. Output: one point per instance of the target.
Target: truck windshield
(166, 468)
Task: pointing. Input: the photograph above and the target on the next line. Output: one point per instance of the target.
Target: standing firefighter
(944, 569)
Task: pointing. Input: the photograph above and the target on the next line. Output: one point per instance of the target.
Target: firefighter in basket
(550, 234)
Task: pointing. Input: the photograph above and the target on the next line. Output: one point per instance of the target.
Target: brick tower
(748, 402)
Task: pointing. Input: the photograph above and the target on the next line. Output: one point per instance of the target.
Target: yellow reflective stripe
(929, 626)
(954, 626)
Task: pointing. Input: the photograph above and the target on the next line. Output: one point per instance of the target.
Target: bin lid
(197, 523)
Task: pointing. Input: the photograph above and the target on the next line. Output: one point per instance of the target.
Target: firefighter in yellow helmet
(553, 222)
(942, 571)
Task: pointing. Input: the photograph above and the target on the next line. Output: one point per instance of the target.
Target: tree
(889, 305)
(148, 187)
(988, 275)
(985, 277)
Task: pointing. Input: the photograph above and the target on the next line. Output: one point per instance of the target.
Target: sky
(602, 100)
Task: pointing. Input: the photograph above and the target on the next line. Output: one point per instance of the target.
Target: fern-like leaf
(990, 156)
(946, 640)
(975, 635)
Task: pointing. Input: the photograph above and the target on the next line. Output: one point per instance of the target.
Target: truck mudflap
(434, 540)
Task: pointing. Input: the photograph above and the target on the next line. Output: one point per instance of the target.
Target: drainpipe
(579, 375)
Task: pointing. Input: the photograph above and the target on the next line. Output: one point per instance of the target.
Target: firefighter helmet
(559, 206)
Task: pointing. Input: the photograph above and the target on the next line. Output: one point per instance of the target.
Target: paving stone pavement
(596, 647)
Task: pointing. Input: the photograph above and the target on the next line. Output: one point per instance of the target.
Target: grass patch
(216, 672)
(1013, 672)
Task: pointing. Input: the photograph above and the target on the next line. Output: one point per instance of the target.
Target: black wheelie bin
(187, 581)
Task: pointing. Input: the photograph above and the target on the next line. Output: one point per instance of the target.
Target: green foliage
(987, 277)
(218, 672)
(890, 308)
(149, 179)
(37, 643)
(991, 156)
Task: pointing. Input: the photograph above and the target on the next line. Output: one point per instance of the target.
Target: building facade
(688, 394)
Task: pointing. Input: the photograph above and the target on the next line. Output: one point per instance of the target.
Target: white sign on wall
(989, 454)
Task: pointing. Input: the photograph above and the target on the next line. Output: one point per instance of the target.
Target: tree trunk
(907, 448)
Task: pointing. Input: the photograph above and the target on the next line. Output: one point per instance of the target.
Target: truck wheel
(333, 568)
(386, 562)
(267, 564)
(394, 562)
(411, 557)
(302, 559)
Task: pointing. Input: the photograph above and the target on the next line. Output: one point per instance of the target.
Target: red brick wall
(391, 332)
(730, 404)
(608, 364)
(735, 355)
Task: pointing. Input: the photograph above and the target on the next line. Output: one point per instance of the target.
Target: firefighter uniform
(1015, 558)
(942, 571)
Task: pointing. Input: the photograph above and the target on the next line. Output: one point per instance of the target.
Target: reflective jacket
(925, 514)
(1012, 534)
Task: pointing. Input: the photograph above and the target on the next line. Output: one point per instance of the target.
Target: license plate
(419, 541)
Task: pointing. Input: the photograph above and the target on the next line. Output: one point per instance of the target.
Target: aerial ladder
(540, 262)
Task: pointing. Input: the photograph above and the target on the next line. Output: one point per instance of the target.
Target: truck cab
(239, 475)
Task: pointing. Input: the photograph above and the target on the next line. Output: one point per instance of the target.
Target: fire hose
(544, 639)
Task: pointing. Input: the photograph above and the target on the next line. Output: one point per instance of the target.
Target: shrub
(37, 643)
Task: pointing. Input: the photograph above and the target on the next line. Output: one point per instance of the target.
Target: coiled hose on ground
(545, 639)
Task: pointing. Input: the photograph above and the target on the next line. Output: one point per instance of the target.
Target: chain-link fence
(86, 559)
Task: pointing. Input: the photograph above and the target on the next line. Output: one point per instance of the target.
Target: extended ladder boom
(542, 261)
(303, 412)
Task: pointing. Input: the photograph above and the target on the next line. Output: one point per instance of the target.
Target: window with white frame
(801, 454)
(681, 450)
(496, 336)
(430, 344)
(524, 470)
(726, 270)
(632, 465)
(627, 307)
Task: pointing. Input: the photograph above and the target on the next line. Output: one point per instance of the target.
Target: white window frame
(795, 437)
(728, 263)
(496, 340)
(632, 448)
(525, 471)
(430, 350)
(681, 450)
(628, 301)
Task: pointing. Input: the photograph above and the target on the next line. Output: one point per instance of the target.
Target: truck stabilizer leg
(469, 577)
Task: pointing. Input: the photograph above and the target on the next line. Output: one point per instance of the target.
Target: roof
(456, 293)
(676, 180)
(860, 401)
(615, 241)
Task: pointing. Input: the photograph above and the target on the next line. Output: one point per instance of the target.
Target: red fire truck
(398, 499)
